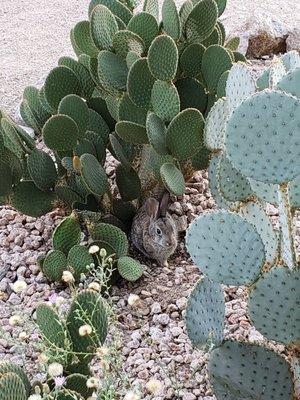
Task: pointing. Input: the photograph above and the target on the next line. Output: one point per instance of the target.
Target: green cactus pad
(140, 83)
(66, 234)
(55, 263)
(255, 214)
(205, 315)
(82, 73)
(170, 19)
(12, 387)
(151, 7)
(273, 305)
(6, 179)
(156, 131)
(201, 159)
(131, 58)
(163, 58)
(74, 107)
(233, 185)
(277, 72)
(185, 146)
(172, 178)
(87, 309)
(60, 82)
(32, 95)
(221, 87)
(82, 35)
(44, 102)
(52, 329)
(145, 26)
(29, 200)
(215, 61)
(126, 41)
(165, 100)
(29, 117)
(85, 146)
(98, 125)
(201, 21)
(119, 151)
(60, 133)
(112, 235)
(77, 383)
(42, 170)
(78, 259)
(239, 57)
(191, 60)
(248, 371)
(103, 27)
(128, 183)
(16, 369)
(185, 11)
(192, 94)
(112, 70)
(129, 269)
(291, 60)
(65, 394)
(67, 195)
(215, 125)
(11, 139)
(93, 175)
(290, 83)
(233, 43)
(214, 243)
(240, 85)
(131, 132)
(270, 154)
(128, 111)
(214, 38)
(118, 8)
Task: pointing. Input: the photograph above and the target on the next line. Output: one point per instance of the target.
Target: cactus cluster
(254, 133)
(64, 344)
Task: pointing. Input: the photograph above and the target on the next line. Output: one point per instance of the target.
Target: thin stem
(288, 252)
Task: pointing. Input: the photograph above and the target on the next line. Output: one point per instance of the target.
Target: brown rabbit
(153, 230)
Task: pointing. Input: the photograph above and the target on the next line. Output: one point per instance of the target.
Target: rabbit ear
(152, 208)
(163, 206)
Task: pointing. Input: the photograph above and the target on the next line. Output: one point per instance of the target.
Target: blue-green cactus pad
(274, 305)
(290, 83)
(240, 371)
(205, 314)
(226, 247)
(263, 137)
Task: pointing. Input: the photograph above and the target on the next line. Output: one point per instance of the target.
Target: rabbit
(153, 230)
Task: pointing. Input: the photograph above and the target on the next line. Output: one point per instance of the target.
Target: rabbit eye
(158, 231)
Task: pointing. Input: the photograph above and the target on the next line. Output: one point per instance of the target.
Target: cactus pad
(215, 126)
(42, 169)
(60, 133)
(165, 100)
(192, 94)
(16, 369)
(290, 83)
(78, 259)
(201, 21)
(185, 146)
(156, 131)
(103, 26)
(131, 132)
(247, 371)
(270, 154)
(112, 235)
(50, 326)
(163, 58)
(291, 60)
(205, 314)
(66, 234)
(87, 308)
(128, 183)
(145, 26)
(60, 82)
(273, 305)
(12, 387)
(112, 70)
(118, 8)
(93, 175)
(172, 178)
(240, 85)
(140, 83)
(98, 125)
(215, 61)
(236, 262)
(126, 41)
(191, 60)
(128, 111)
(77, 383)
(82, 36)
(170, 19)
(151, 7)
(55, 263)
(29, 200)
(129, 269)
(76, 108)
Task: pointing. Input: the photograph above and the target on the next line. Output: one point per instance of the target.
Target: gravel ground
(153, 337)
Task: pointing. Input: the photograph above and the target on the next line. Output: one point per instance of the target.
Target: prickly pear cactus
(256, 139)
